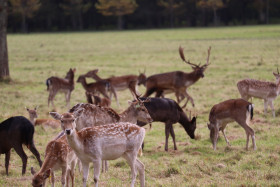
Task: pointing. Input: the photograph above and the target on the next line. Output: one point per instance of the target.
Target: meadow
(237, 53)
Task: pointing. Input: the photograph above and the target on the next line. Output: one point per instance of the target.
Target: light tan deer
(58, 155)
(119, 83)
(33, 117)
(56, 84)
(268, 91)
(105, 142)
(176, 81)
(237, 110)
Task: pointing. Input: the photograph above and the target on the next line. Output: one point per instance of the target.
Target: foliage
(25, 7)
(116, 7)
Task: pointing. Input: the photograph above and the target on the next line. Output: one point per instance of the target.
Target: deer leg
(265, 106)
(63, 176)
(72, 171)
(35, 152)
(167, 131)
(141, 169)
(19, 150)
(159, 93)
(173, 137)
(52, 178)
(272, 107)
(115, 95)
(216, 135)
(68, 96)
(131, 159)
(223, 131)
(96, 172)
(85, 173)
(7, 161)
(104, 166)
(189, 98)
(249, 132)
(52, 98)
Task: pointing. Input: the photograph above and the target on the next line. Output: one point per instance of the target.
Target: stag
(176, 81)
(237, 110)
(268, 91)
(105, 142)
(56, 84)
(120, 83)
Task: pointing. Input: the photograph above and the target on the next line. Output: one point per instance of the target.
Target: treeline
(64, 15)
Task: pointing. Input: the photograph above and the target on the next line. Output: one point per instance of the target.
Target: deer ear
(47, 173)
(55, 115)
(78, 112)
(33, 171)
(74, 70)
(27, 109)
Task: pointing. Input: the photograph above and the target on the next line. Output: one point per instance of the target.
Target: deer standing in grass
(103, 102)
(268, 91)
(56, 84)
(237, 110)
(176, 81)
(33, 117)
(119, 83)
(58, 155)
(105, 142)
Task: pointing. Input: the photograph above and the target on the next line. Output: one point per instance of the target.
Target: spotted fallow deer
(33, 117)
(105, 142)
(268, 91)
(176, 81)
(58, 155)
(237, 110)
(57, 84)
(119, 83)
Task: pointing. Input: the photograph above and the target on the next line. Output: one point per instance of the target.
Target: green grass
(237, 53)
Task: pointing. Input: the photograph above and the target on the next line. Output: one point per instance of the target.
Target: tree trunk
(23, 23)
(4, 63)
(120, 22)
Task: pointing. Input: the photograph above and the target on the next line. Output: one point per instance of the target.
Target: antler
(207, 60)
(181, 52)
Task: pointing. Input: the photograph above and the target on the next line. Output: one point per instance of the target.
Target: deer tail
(48, 82)
(250, 109)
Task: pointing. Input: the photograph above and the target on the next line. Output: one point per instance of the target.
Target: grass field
(237, 53)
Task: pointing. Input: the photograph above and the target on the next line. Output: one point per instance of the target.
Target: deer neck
(74, 141)
(277, 88)
(192, 77)
(84, 83)
(128, 115)
(32, 120)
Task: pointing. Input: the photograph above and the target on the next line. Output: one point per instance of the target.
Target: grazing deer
(237, 110)
(169, 112)
(120, 83)
(56, 84)
(103, 102)
(15, 132)
(176, 81)
(268, 91)
(99, 86)
(105, 142)
(58, 155)
(33, 117)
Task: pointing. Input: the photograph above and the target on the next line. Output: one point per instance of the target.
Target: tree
(214, 5)
(75, 8)
(117, 8)
(4, 63)
(26, 9)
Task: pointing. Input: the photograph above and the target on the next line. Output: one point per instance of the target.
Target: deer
(176, 81)
(120, 83)
(33, 117)
(103, 102)
(104, 142)
(58, 155)
(268, 91)
(99, 86)
(14, 132)
(57, 84)
(238, 110)
(169, 112)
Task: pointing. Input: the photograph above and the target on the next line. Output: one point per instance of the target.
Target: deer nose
(150, 120)
(68, 131)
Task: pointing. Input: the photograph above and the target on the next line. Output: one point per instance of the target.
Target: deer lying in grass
(43, 122)
(58, 155)
(120, 83)
(169, 112)
(15, 132)
(221, 114)
(268, 91)
(103, 102)
(176, 81)
(96, 87)
(56, 84)
(105, 142)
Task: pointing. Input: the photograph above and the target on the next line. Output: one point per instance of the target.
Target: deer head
(277, 76)
(70, 74)
(199, 70)
(32, 113)
(39, 179)
(142, 78)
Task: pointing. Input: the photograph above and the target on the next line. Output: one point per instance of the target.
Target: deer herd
(94, 132)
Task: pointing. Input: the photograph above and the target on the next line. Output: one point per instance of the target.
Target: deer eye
(62, 121)
(73, 120)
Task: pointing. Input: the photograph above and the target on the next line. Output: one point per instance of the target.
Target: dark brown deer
(56, 84)
(15, 132)
(95, 87)
(237, 110)
(119, 83)
(169, 112)
(104, 102)
(176, 81)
